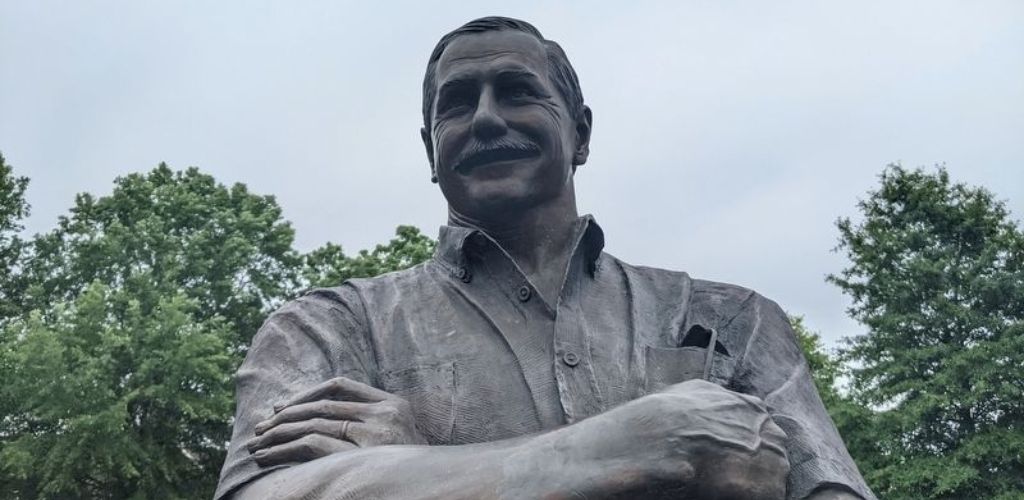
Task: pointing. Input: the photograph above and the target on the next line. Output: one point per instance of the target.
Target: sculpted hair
(562, 73)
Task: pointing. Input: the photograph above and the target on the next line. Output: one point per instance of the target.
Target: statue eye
(455, 99)
(520, 92)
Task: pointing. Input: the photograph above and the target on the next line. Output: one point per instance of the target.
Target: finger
(332, 410)
(339, 389)
(295, 430)
(310, 447)
(366, 435)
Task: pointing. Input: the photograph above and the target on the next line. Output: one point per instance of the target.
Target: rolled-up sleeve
(773, 368)
(312, 339)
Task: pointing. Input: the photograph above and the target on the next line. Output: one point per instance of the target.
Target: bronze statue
(522, 361)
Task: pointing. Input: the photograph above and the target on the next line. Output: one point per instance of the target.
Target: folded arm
(392, 471)
(695, 440)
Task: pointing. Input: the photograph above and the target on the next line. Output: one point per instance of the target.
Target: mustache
(477, 153)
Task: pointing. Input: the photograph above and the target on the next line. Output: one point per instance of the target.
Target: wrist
(598, 458)
(548, 466)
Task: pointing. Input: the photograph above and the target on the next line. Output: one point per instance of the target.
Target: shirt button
(463, 274)
(570, 358)
(524, 293)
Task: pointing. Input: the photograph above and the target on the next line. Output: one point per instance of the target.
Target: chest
(486, 366)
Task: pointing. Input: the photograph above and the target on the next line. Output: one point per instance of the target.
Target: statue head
(504, 121)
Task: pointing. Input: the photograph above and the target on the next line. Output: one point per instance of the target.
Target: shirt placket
(574, 366)
(524, 320)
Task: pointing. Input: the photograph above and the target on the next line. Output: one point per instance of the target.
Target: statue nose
(487, 122)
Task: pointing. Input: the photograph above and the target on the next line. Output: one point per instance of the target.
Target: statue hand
(737, 449)
(337, 415)
(695, 438)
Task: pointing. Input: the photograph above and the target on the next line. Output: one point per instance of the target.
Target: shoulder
(726, 299)
(319, 316)
(337, 300)
(645, 281)
(736, 307)
(324, 331)
(738, 313)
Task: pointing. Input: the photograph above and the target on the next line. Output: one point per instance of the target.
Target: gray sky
(728, 136)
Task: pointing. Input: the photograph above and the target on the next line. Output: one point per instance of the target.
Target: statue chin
(501, 200)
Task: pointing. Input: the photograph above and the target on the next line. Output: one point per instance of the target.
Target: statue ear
(583, 128)
(428, 143)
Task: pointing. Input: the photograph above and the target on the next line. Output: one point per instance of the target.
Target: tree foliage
(13, 208)
(137, 308)
(165, 232)
(937, 277)
(328, 265)
(115, 399)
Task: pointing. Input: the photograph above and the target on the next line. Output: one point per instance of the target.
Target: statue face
(502, 137)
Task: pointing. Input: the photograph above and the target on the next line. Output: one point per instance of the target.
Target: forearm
(560, 464)
(500, 469)
(385, 472)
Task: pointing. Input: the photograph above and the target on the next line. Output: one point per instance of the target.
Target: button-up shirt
(481, 356)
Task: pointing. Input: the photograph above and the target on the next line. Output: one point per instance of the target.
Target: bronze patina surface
(523, 361)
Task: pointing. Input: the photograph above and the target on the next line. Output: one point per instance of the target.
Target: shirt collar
(453, 242)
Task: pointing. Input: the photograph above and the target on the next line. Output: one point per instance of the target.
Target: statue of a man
(522, 361)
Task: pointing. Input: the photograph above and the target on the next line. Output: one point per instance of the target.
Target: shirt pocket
(430, 389)
(671, 365)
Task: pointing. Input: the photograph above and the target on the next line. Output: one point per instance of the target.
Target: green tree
(13, 208)
(115, 399)
(138, 308)
(329, 266)
(937, 277)
(163, 232)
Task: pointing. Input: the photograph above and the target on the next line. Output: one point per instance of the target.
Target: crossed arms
(694, 440)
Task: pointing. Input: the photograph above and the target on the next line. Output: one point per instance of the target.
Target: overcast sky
(728, 136)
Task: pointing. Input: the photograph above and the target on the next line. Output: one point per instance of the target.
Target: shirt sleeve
(773, 368)
(315, 338)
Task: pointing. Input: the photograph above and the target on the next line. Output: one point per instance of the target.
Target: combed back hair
(559, 68)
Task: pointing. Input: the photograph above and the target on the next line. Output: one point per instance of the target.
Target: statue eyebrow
(518, 73)
(465, 79)
(454, 84)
